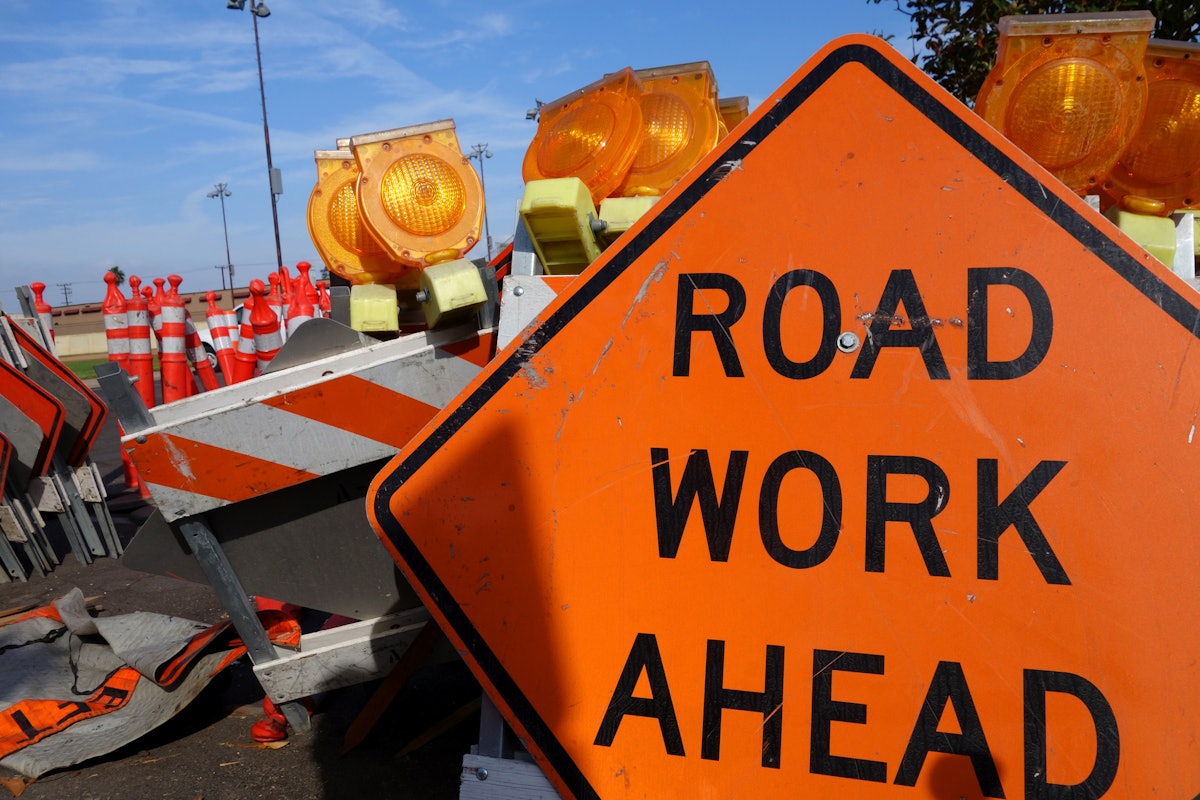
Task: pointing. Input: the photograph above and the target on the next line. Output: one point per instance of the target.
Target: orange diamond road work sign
(865, 467)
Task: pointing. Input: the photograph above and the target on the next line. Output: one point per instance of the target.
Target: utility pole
(259, 9)
(479, 152)
(66, 290)
(221, 191)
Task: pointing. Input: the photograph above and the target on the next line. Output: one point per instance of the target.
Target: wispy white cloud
(371, 15)
(51, 161)
(77, 74)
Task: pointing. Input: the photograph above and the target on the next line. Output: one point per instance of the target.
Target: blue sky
(120, 116)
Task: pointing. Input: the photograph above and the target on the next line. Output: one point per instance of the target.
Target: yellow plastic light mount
(336, 227)
(450, 291)
(1163, 160)
(733, 110)
(680, 124)
(374, 308)
(619, 214)
(592, 134)
(558, 214)
(418, 195)
(1069, 89)
(1154, 233)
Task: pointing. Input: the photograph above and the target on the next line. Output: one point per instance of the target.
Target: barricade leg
(233, 598)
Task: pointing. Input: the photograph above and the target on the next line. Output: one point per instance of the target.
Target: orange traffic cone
(141, 361)
(268, 333)
(218, 329)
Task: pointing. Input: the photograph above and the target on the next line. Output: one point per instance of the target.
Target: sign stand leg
(225, 583)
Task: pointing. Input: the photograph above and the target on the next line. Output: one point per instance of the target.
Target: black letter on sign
(30, 730)
(919, 516)
(717, 514)
(901, 286)
(979, 368)
(996, 517)
(76, 707)
(831, 312)
(768, 702)
(1108, 739)
(825, 710)
(831, 509)
(643, 656)
(687, 323)
(950, 686)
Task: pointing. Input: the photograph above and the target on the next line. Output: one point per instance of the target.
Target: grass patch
(85, 366)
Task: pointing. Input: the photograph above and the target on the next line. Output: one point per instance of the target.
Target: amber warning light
(1069, 90)
(1163, 161)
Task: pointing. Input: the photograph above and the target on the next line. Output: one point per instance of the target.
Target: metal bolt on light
(518, 291)
(481, 773)
(848, 342)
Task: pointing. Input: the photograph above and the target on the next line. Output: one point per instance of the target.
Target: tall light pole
(221, 191)
(259, 9)
(479, 152)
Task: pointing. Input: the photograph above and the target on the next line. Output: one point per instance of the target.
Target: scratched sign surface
(867, 467)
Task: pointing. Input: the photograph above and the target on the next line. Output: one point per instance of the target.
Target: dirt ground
(206, 750)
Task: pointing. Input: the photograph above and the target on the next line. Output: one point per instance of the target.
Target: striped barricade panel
(298, 424)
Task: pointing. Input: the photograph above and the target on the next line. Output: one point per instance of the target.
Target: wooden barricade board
(864, 466)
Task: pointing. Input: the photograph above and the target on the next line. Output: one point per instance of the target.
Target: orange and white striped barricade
(268, 332)
(218, 330)
(245, 357)
(45, 312)
(141, 361)
(172, 357)
(116, 323)
(255, 476)
(299, 423)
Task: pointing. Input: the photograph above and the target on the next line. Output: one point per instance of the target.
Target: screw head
(481, 773)
(518, 291)
(848, 342)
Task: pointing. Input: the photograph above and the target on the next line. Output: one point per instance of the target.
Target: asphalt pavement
(206, 751)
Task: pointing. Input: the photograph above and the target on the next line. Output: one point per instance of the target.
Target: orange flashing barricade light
(592, 134)
(1069, 89)
(336, 227)
(1160, 170)
(680, 124)
(417, 194)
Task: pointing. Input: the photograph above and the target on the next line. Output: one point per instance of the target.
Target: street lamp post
(259, 9)
(221, 191)
(479, 152)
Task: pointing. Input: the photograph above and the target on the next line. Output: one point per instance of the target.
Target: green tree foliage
(957, 38)
(118, 273)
